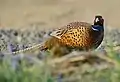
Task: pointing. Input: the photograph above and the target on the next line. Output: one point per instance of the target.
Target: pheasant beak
(97, 20)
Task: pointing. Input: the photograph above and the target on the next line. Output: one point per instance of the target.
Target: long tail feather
(37, 46)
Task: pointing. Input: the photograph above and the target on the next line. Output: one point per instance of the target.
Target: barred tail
(37, 46)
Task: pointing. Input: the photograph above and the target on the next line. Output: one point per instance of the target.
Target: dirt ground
(56, 13)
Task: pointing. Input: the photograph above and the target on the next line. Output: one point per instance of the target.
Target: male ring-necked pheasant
(79, 35)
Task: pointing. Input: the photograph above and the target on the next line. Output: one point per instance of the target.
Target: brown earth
(56, 13)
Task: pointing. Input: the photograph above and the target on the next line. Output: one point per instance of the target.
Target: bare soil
(56, 13)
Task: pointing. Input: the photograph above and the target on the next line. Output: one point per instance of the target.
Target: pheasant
(75, 35)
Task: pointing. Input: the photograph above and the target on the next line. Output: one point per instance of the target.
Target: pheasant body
(79, 35)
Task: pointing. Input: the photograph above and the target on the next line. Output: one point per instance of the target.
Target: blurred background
(56, 13)
(100, 65)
